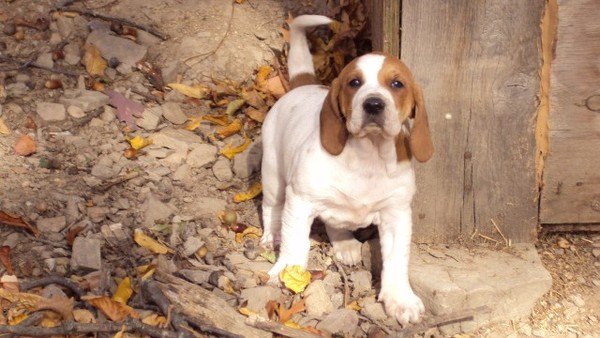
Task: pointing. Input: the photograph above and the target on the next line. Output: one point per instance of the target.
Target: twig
(86, 119)
(209, 54)
(31, 283)
(105, 186)
(280, 329)
(150, 30)
(500, 232)
(345, 278)
(147, 96)
(451, 318)
(22, 64)
(53, 243)
(77, 328)
(489, 238)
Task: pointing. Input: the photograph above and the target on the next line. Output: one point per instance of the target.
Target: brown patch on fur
(303, 79)
(403, 148)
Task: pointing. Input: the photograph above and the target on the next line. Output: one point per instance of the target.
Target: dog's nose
(373, 105)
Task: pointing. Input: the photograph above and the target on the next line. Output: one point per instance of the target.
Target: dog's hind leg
(346, 248)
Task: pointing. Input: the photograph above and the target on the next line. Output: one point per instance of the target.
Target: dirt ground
(71, 185)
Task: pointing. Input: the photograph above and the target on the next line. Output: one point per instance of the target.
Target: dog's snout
(373, 105)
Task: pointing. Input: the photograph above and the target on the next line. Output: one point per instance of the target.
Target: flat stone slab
(509, 282)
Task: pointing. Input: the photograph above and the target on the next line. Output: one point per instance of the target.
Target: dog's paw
(270, 240)
(348, 252)
(404, 305)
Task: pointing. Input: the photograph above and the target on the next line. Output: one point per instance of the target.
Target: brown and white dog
(343, 154)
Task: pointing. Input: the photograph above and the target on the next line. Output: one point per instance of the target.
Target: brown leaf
(5, 259)
(59, 304)
(8, 219)
(152, 73)
(93, 61)
(72, 233)
(275, 87)
(30, 123)
(83, 316)
(317, 275)
(126, 108)
(254, 99)
(25, 145)
(286, 314)
(255, 114)
(114, 310)
(271, 308)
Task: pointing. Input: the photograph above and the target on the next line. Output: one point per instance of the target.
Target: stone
(44, 60)
(86, 254)
(13, 240)
(154, 210)
(170, 71)
(176, 139)
(317, 299)
(87, 100)
(52, 224)
(102, 171)
(361, 280)
(596, 252)
(115, 232)
(75, 112)
(50, 111)
(65, 26)
(204, 207)
(342, 321)
(72, 54)
(97, 214)
(509, 283)
(191, 245)
(374, 311)
(149, 119)
(110, 46)
(173, 113)
(202, 155)
(53, 290)
(181, 173)
(248, 162)
(195, 276)
(222, 170)
(258, 297)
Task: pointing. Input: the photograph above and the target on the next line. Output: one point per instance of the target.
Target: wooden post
(384, 16)
(478, 64)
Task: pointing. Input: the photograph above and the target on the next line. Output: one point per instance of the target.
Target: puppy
(343, 154)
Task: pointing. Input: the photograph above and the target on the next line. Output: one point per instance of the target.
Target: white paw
(405, 306)
(269, 240)
(348, 252)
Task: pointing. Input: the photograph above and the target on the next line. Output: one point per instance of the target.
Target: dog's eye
(355, 83)
(396, 84)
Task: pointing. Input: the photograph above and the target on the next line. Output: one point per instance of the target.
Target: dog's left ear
(333, 131)
(421, 145)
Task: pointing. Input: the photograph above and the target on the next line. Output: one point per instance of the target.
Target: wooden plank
(571, 191)
(478, 63)
(384, 16)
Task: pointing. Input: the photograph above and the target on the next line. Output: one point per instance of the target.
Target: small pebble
(251, 253)
(9, 29)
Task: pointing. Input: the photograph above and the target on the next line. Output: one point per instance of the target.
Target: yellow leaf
(249, 232)
(193, 123)
(124, 291)
(292, 324)
(269, 255)
(114, 310)
(295, 278)
(230, 151)
(4, 130)
(230, 129)
(149, 243)
(121, 333)
(146, 271)
(254, 191)
(83, 316)
(256, 114)
(155, 320)
(197, 91)
(354, 306)
(139, 142)
(261, 76)
(247, 312)
(221, 120)
(234, 106)
(18, 318)
(94, 63)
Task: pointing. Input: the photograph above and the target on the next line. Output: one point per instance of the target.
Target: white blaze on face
(370, 65)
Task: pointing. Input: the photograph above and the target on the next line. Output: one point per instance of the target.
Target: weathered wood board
(571, 190)
(478, 64)
(385, 25)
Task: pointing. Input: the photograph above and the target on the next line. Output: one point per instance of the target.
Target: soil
(207, 40)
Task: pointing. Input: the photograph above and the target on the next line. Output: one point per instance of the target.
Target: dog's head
(376, 95)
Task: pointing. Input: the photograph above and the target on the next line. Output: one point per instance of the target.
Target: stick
(31, 283)
(207, 55)
(105, 186)
(280, 329)
(86, 119)
(500, 232)
(345, 278)
(451, 318)
(67, 328)
(32, 64)
(150, 30)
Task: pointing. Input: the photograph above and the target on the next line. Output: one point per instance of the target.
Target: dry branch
(31, 283)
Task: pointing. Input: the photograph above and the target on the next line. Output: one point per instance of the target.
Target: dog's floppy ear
(333, 123)
(421, 145)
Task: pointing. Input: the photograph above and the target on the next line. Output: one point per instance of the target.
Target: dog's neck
(374, 149)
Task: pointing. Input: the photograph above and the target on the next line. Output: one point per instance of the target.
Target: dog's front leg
(296, 220)
(396, 293)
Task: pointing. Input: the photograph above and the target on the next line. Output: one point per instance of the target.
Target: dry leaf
(59, 304)
(253, 98)
(249, 232)
(255, 114)
(286, 314)
(120, 334)
(193, 123)
(149, 243)
(83, 316)
(9, 283)
(221, 120)
(93, 61)
(155, 320)
(254, 190)
(139, 142)
(4, 130)
(72, 234)
(563, 243)
(230, 129)
(8, 219)
(197, 91)
(126, 108)
(25, 146)
(234, 106)
(354, 306)
(269, 255)
(247, 312)
(124, 291)
(230, 151)
(5, 259)
(116, 311)
(261, 76)
(275, 87)
(295, 278)
(146, 271)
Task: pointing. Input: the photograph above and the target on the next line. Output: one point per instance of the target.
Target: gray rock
(222, 170)
(154, 210)
(342, 321)
(181, 173)
(75, 112)
(258, 297)
(170, 71)
(173, 113)
(65, 26)
(248, 162)
(317, 300)
(87, 100)
(125, 50)
(191, 245)
(97, 214)
(374, 311)
(115, 232)
(102, 171)
(86, 254)
(53, 224)
(177, 139)
(202, 155)
(44, 60)
(72, 54)
(362, 282)
(596, 252)
(205, 207)
(53, 290)
(13, 240)
(195, 276)
(150, 118)
(50, 111)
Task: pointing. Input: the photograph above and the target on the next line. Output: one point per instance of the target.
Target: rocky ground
(70, 166)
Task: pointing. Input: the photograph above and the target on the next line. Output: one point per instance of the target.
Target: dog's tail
(300, 64)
